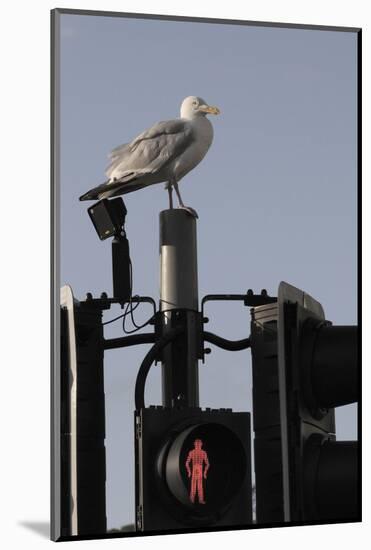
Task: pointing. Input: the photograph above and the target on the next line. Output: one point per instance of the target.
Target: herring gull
(166, 152)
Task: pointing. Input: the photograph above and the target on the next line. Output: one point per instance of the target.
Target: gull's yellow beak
(209, 109)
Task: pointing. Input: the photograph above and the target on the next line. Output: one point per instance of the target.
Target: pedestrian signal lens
(205, 466)
(197, 466)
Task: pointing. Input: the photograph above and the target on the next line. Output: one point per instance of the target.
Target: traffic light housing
(303, 367)
(193, 468)
(318, 371)
(82, 418)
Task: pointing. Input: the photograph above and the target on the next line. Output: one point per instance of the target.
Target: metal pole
(179, 304)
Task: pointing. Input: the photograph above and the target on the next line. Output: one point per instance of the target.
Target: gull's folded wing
(147, 154)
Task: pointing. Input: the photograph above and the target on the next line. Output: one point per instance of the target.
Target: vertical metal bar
(179, 304)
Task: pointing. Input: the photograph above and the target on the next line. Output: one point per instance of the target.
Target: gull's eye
(195, 103)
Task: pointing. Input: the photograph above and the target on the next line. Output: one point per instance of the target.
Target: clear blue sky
(276, 194)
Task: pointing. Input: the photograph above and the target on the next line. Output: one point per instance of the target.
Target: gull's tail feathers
(115, 188)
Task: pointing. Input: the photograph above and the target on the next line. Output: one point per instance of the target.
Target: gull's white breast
(202, 139)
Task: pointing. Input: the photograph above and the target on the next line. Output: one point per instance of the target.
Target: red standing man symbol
(199, 458)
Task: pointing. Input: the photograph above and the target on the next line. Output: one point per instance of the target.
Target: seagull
(166, 152)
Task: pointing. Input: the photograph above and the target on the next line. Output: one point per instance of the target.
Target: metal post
(179, 304)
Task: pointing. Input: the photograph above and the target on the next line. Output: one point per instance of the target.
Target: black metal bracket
(103, 302)
(249, 299)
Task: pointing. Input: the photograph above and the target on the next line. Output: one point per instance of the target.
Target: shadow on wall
(42, 528)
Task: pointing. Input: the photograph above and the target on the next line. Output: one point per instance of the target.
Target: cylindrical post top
(178, 257)
(179, 304)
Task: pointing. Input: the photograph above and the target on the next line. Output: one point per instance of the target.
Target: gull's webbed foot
(190, 210)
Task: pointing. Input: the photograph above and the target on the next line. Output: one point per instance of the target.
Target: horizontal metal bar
(125, 341)
(217, 297)
(249, 299)
(230, 345)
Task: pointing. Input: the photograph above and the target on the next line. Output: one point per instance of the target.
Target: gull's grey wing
(151, 151)
(167, 127)
(118, 151)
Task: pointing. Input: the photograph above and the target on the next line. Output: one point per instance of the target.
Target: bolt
(89, 296)
(205, 319)
(264, 292)
(104, 296)
(207, 351)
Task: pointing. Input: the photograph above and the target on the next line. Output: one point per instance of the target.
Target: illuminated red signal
(199, 474)
(198, 457)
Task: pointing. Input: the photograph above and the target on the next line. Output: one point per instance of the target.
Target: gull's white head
(194, 106)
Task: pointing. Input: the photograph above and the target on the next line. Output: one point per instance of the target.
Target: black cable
(139, 327)
(112, 320)
(131, 293)
(120, 316)
(123, 315)
(130, 305)
(129, 309)
(147, 363)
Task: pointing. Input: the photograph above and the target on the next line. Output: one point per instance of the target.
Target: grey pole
(179, 304)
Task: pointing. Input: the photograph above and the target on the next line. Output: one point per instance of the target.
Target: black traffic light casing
(83, 457)
(266, 414)
(164, 437)
(317, 371)
(303, 367)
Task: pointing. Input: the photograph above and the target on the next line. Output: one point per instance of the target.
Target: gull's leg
(169, 188)
(181, 204)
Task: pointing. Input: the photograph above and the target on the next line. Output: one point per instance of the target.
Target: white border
(25, 263)
(67, 301)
